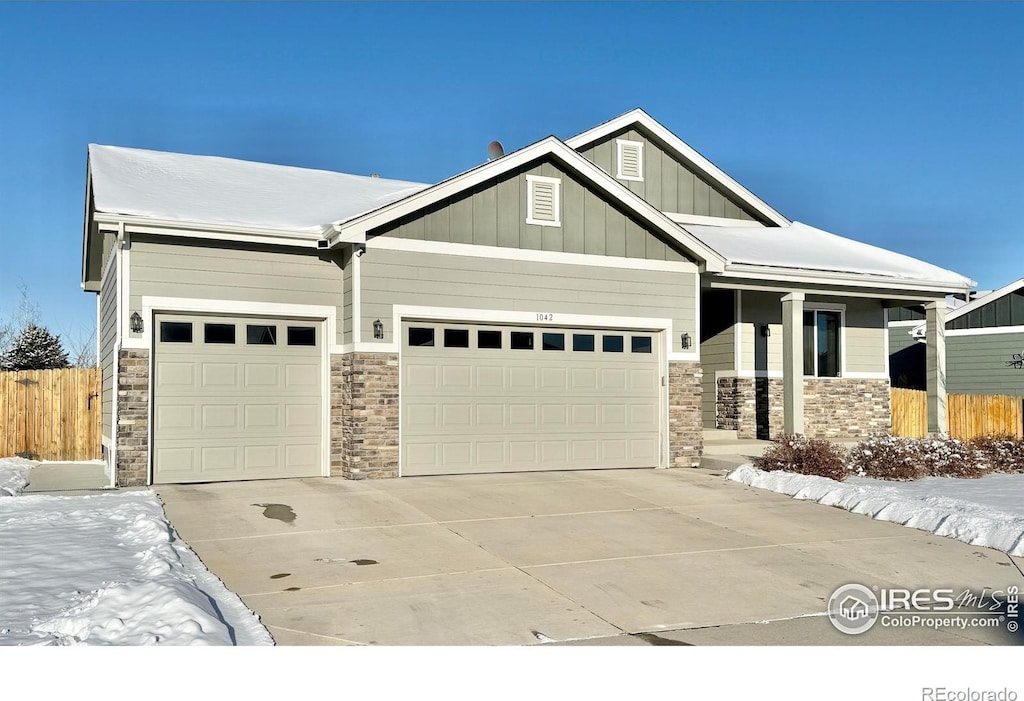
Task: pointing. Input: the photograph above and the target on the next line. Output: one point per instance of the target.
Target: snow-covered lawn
(106, 569)
(988, 511)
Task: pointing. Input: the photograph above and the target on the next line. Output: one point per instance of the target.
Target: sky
(900, 125)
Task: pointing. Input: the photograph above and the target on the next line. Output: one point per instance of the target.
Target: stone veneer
(132, 425)
(364, 415)
(685, 429)
(833, 408)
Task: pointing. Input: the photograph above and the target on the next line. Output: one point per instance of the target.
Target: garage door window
(218, 333)
(259, 335)
(553, 342)
(641, 344)
(612, 344)
(522, 340)
(488, 339)
(175, 332)
(583, 342)
(301, 336)
(456, 338)
(421, 336)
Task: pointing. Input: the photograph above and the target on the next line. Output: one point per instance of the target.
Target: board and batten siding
(981, 364)
(668, 184)
(391, 277)
(1008, 310)
(108, 346)
(494, 214)
(242, 272)
(864, 331)
(717, 346)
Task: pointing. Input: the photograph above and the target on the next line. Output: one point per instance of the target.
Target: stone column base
(364, 415)
(685, 426)
(131, 427)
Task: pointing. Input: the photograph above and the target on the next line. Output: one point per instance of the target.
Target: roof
(985, 298)
(229, 192)
(800, 247)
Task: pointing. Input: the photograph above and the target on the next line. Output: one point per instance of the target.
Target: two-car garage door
(236, 398)
(488, 398)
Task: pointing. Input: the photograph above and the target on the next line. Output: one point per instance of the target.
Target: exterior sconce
(378, 329)
(136, 323)
(686, 341)
(766, 330)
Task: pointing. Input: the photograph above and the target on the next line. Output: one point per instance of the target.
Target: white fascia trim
(875, 293)
(188, 305)
(354, 230)
(989, 331)
(817, 277)
(902, 324)
(556, 204)
(471, 250)
(638, 116)
(159, 227)
(712, 221)
(619, 145)
(982, 301)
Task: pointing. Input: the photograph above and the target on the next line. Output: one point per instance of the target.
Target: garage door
(479, 398)
(236, 398)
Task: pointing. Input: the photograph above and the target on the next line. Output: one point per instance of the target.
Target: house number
(545, 317)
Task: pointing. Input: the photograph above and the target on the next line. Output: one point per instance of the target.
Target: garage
(489, 398)
(236, 398)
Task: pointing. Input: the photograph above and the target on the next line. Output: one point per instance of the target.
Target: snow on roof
(804, 247)
(231, 192)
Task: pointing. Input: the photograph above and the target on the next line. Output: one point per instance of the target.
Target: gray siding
(980, 364)
(1008, 310)
(494, 214)
(243, 272)
(717, 346)
(906, 314)
(906, 358)
(425, 279)
(108, 345)
(669, 184)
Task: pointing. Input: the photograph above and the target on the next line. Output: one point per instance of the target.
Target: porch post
(935, 365)
(793, 361)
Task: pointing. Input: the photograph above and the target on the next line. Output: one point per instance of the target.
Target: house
(984, 344)
(589, 303)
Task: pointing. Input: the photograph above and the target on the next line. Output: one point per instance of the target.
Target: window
(630, 160)
(218, 333)
(641, 344)
(611, 344)
(583, 342)
(553, 341)
(301, 335)
(488, 339)
(822, 343)
(261, 335)
(420, 336)
(175, 332)
(522, 340)
(456, 338)
(543, 201)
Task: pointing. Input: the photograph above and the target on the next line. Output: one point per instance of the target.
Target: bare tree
(26, 313)
(80, 344)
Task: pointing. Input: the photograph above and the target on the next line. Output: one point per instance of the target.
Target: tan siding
(425, 279)
(181, 268)
(108, 341)
(865, 335)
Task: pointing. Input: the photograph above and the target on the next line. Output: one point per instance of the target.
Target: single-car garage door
(236, 398)
(481, 398)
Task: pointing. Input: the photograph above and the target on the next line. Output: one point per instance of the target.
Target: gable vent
(543, 206)
(631, 160)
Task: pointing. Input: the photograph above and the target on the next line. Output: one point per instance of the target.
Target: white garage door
(479, 398)
(236, 398)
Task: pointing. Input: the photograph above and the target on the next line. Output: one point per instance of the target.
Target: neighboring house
(984, 345)
(588, 303)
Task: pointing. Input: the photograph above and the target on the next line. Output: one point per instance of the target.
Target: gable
(668, 183)
(494, 213)
(1005, 310)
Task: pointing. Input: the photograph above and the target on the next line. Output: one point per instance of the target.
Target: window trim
(837, 309)
(531, 181)
(620, 144)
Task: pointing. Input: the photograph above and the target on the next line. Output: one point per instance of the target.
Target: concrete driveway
(606, 557)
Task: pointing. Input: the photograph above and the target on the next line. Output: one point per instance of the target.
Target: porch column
(793, 362)
(935, 365)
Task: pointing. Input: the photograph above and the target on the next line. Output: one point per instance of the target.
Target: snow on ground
(14, 475)
(108, 569)
(988, 511)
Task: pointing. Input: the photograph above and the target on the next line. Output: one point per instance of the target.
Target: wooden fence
(51, 414)
(968, 415)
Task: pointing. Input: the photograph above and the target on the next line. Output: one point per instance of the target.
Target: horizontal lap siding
(108, 339)
(982, 364)
(234, 273)
(865, 335)
(422, 279)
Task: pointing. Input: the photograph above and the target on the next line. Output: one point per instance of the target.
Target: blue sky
(901, 125)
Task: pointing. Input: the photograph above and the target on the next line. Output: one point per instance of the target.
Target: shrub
(887, 458)
(1000, 453)
(805, 456)
(949, 457)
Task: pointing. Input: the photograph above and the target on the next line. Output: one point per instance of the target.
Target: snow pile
(14, 475)
(988, 511)
(109, 570)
